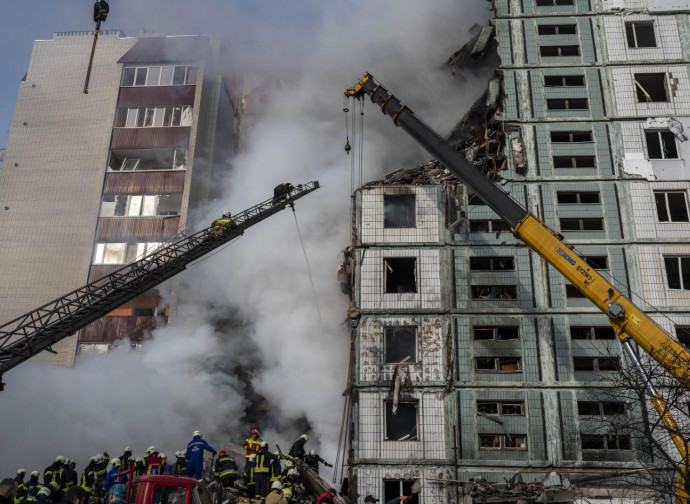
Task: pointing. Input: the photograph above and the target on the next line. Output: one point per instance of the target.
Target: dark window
(489, 442)
(597, 262)
(592, 333)
(596, 363)
(128, 76)
(494, 292)
(600, 409)
(678, 272)
(400, 274)
(474, 199)
(640, 34)
(500, 333)
(574, 162)
(178, 75)
(582, 197)
(399, 210)
(651, 87)
(564, 80)
(573, 292)
(593, 442)
(553, 51)
(585, 224)
(683, 335)
(499, 364)
(671, 206)
(571, 136)
(140, 79)
(588, 408)
(567, 104)
(396, 488)
(512, 408)
(488, 226)
(553, 3)
(608, 443)
(661, 145)
(144, 311)
(492, 263)
(401, 426)
(502, 441)
(400, 343)
(552, 29)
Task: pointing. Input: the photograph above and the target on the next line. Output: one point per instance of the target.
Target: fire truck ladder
(39, 329)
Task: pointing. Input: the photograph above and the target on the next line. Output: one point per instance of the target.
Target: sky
(249, 345)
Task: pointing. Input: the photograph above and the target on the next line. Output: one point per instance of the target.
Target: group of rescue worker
(263, 468)
(102, 473)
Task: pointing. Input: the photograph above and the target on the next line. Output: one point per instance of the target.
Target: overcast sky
(28, 20)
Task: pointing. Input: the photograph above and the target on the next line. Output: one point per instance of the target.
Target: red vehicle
(166, 489)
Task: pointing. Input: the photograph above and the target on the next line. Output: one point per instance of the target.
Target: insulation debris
(431, 172)
(552, 489)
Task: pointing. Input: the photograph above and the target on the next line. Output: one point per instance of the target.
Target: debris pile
(429, 173)
(552, 488)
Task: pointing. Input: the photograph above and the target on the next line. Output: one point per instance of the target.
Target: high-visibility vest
(262, 463)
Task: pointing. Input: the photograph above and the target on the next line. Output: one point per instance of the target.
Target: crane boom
(39, 329)
(629, 321)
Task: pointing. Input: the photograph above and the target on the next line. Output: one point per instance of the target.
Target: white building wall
(665, 29)
(625, 95)
(370, 480)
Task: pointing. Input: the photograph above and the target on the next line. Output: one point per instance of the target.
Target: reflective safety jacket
(88, 478)
(263, 460)
(195, 450)
(180, 466)
(32, 485)
(249, 473)
(22, 493)
(51, 476)
(297, 449)
(100, 471)
(276, 470)
(68, 478)
(225, 466)
(252, 445)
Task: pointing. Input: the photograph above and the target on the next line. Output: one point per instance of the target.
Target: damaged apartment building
(473, 359)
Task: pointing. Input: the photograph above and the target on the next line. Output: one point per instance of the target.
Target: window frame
(643, 94)
(633, 25)
(581, 224)
(578, 197)
(557, 28)
(503, 442)
(494, 292)
(189, 75)
(492, 263)
(416, 404)
(388, 268)
(665, 193)
(660, 134)
(680, 259)
(500, 405)
(592, 333)
(560, 49)
(415, 336)
(596, 364)
(550, 80)
(496, 331)
(403, 202)
(571, 136)
(497, 365)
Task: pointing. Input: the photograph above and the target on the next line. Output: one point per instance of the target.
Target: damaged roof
(168, 50)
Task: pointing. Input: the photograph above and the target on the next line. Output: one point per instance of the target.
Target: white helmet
(115, 461)
(128, 449)
(150, 450)
(276, 485)
(312, 452)
(60, 458)
(293, 472)
(287, 493)
(288, 463)
(197, 434)
(305, 437)
(35, 473)
(162, 455)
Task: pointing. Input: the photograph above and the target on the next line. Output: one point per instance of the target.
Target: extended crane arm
(38, 330)
(627, 319)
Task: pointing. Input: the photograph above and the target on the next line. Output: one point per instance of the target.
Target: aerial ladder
(39, 329)
(628, 321)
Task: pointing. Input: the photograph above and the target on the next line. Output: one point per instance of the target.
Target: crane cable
(306, 258)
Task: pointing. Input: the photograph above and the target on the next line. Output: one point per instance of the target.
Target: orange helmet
(255, 431)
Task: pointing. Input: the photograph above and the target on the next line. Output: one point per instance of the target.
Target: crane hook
(347, 146)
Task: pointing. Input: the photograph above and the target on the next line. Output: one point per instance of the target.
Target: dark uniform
(262, 467)
(22, 492)
(249, 476)
(32, 486)
(100, 11)
(313, 461)
(180, 466)
(88, 478)
(226, 470)
(281, 192)
(297, 449)
(68, 478)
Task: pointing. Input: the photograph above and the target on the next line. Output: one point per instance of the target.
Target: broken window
(574, 162)
(143, 311)
(554, 51)
(512, 408)
(564, 80)
(571, 136)
(579, 197)
(158, 117)
(400, 342)
(159, 76)
(567, 104)
(584, 224)
(683, 335)
(661, 144)
(134, 205)
(398, 210)
(600, 408)
(592, 333)
(494, 292)
(492, 264)
(499, 364)
(401, 426)
(651, 87)
(498, 333)
(671, 206)
(147, 159)
(400, 274)
(553, 29)
(128, 76)
(110, 253)
(396, 488)
(605, 442)
(554, 3)
(488, 226)
(502, 442)
(596, 363)
(678, 272)
(573, 292)
(597, 262)
(640, 34)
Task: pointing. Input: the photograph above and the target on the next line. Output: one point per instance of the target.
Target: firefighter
(296, 451)
(287, 493)
(226, 469)
(313, 459)
(51, 474)
(276, 496)
(68, 476)
(281, 192)
(22, 489)
(276, 470)
(126, 456)
(249, 475)
(164, 464)
(114, 477)
(88, 478)
(153, 462)
(252, 443)
(32, 485)
(180, 464)
(195, 455)
(326, 497)
(100, 11)
(139, 466)
(283, 475)
(75, 495)
(262, 466)
(43, 495)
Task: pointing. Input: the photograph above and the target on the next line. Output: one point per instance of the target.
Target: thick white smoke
(250, 308)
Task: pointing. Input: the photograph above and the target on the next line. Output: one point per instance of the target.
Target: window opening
(552, 29)
(609, 442)
(601, 408)
(592, 333)
(671, 206)
(401, 426)
(661, 144)
(581, 197)
(400, 274)
(573, 292)
(683, 335)
(596, 363)
(564, 80)
(399, 210)
(511, 408)
(499, 364)
(574, 162)
(400, 343)
(559, 51)
(597, 262)
(640, 34)
(494, 292)
(567, 104)
(571, 136)
(584, 224)
(492, 264)
(166, 494)
(651, 87)
(488, 226)
(396, 488)
(499, 333)
(502, 442)
(554, 3)
(678, 272)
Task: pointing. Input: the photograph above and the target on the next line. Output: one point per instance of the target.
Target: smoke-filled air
(250, 343)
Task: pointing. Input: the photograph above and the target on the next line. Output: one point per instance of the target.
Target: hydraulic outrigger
(628, 321)
(39, 329)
